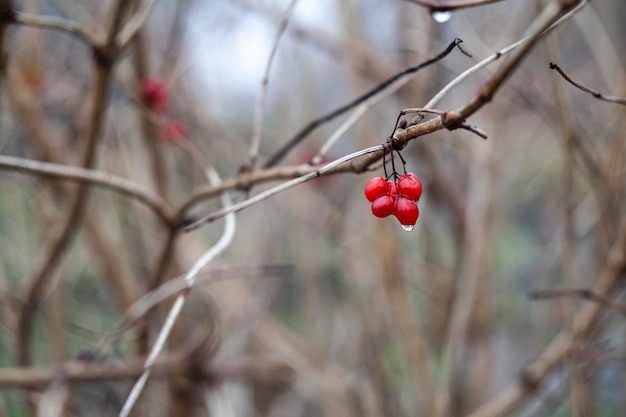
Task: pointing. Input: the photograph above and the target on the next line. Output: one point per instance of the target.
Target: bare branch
(314, 124)
(594, 93)
(84, 175)
(58, 23)
(584, 293)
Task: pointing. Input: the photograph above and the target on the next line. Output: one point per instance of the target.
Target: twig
(38, 378)
(58, 23)
(255, 143)
(279, 188)
(530, 378)
(434, 7)
(84, 175)
(314, 124)
(584, 293)
(594, 93)
(190, 279)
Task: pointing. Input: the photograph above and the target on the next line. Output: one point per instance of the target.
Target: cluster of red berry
(155, 94)
(398, 197)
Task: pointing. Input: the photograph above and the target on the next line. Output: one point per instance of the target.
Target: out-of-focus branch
(78, 373)
(175, 310)
(61, 236)
(84, 175)
(448, 120)
(255, 143)
(594, 93)
(135, 23)
(58, 23)
(583, 293)
(531, 377)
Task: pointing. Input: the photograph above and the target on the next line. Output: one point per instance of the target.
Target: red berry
(154, 93)
(383, 205)
(406, 211)
(173, 131)
(376, 187)
(410, 186)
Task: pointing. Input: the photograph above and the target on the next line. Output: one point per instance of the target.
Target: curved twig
(594, 93)
(314, 124)
(84, 175)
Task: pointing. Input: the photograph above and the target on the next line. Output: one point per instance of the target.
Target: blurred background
(319, 309)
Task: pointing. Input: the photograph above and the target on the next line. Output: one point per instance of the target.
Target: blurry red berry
(375, 187)
(383, 205)
(154, 93)
(173, 131)
(406, 211)
(410, 186)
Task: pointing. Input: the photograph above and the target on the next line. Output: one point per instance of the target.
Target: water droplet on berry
(441, 17)
(408, 227)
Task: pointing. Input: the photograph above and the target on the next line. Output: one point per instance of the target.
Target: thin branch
(57, 23)
(278, 189)
(530, 378)
(363, 107)
(149, 300)
(135, 23)
(448, 120)
(594, 93)
(85, 175)
(434, 7)
(255, 143)
(85, 372)
(583, 293)
(314, 124)
(190, 279)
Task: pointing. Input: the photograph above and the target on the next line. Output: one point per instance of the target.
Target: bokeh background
(320, 308)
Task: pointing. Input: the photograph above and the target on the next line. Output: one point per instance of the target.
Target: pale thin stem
(170, 288)
(278, 189)
(594, 93)
(85, 175)
(61, 236)
(255, 143)
(190, 279)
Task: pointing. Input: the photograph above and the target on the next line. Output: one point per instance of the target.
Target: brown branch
(583, 293)
(530, 378)
(57, 23)
(594, 93)
(89, 176)
(434, 7)
(61, 236)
